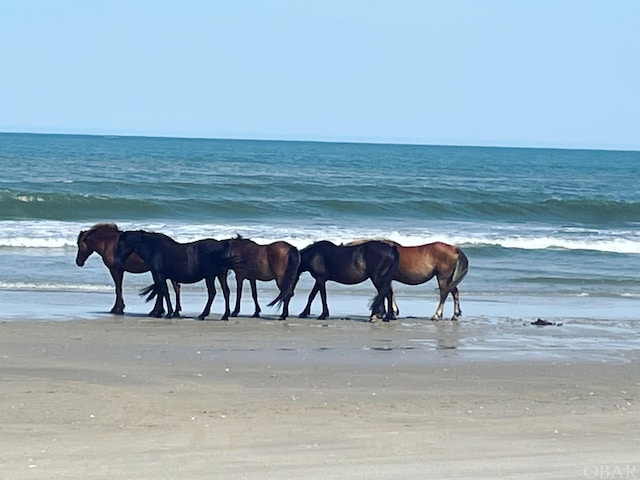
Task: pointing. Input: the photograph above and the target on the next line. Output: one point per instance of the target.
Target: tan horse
(419, 264)
(277, 261)
(102, 238)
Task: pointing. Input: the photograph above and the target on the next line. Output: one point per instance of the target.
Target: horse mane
(239, 237)
(104, 226)
(365, 240)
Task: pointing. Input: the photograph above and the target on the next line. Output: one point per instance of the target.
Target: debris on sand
(543, 323)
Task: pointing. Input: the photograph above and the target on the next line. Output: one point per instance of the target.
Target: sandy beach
(139, 398)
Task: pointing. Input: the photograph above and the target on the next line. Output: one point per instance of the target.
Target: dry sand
(135, 398)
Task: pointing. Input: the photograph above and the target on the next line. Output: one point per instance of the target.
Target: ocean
(548, 233)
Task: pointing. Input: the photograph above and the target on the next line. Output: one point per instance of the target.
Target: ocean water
(550, 233)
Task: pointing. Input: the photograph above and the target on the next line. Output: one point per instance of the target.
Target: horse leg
(117, 274)
(442, 284)
(176, 289)
(211, 293)
(285, 309)
(239, 280)
(456, 304)
(394, 306)
(158, 307)
(323, 297)
(226, 294)
(377, 307)
(307, 309)
(162, 294)
(285, 300)
(385, 292)
(165, 295)
(254, 294)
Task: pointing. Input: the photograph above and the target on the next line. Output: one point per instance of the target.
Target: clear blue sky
(515, 73)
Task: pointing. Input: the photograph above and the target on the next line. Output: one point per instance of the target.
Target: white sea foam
(54, 287)
(56, 235)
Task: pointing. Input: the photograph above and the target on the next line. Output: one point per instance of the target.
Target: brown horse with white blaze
(419, 264)
(277, 261)
(102, 239)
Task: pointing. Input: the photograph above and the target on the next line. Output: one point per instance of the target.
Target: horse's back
(212, 254)
(444, 253)
(380, 253)
(350, 264)
(420, 263)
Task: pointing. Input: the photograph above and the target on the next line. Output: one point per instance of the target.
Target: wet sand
(133, 397)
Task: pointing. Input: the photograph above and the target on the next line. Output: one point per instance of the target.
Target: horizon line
(275, 138)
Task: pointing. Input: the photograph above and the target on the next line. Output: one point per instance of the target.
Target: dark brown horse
(182, 262)
(277, 261)
(102, 239)
(421, 263)
(350, 264)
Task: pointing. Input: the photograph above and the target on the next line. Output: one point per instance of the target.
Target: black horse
(180, 262)
(350, 265)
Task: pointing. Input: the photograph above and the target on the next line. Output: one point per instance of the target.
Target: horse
(421, 263)
(102, 239)
(350, 264)
(180, 262)
(277, 261)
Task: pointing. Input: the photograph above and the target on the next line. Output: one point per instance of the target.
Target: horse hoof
(255, 315)
(454, 318)
(303, 315)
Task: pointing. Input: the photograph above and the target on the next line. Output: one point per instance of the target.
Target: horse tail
(289, 279)
(151, 291)
(461, 270)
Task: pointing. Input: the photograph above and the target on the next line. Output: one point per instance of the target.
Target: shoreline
(134, 397)
(415, 302)
(599, 331)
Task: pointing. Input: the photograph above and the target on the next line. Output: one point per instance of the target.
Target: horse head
(128, 242)
(84, 250)
(96, 239)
